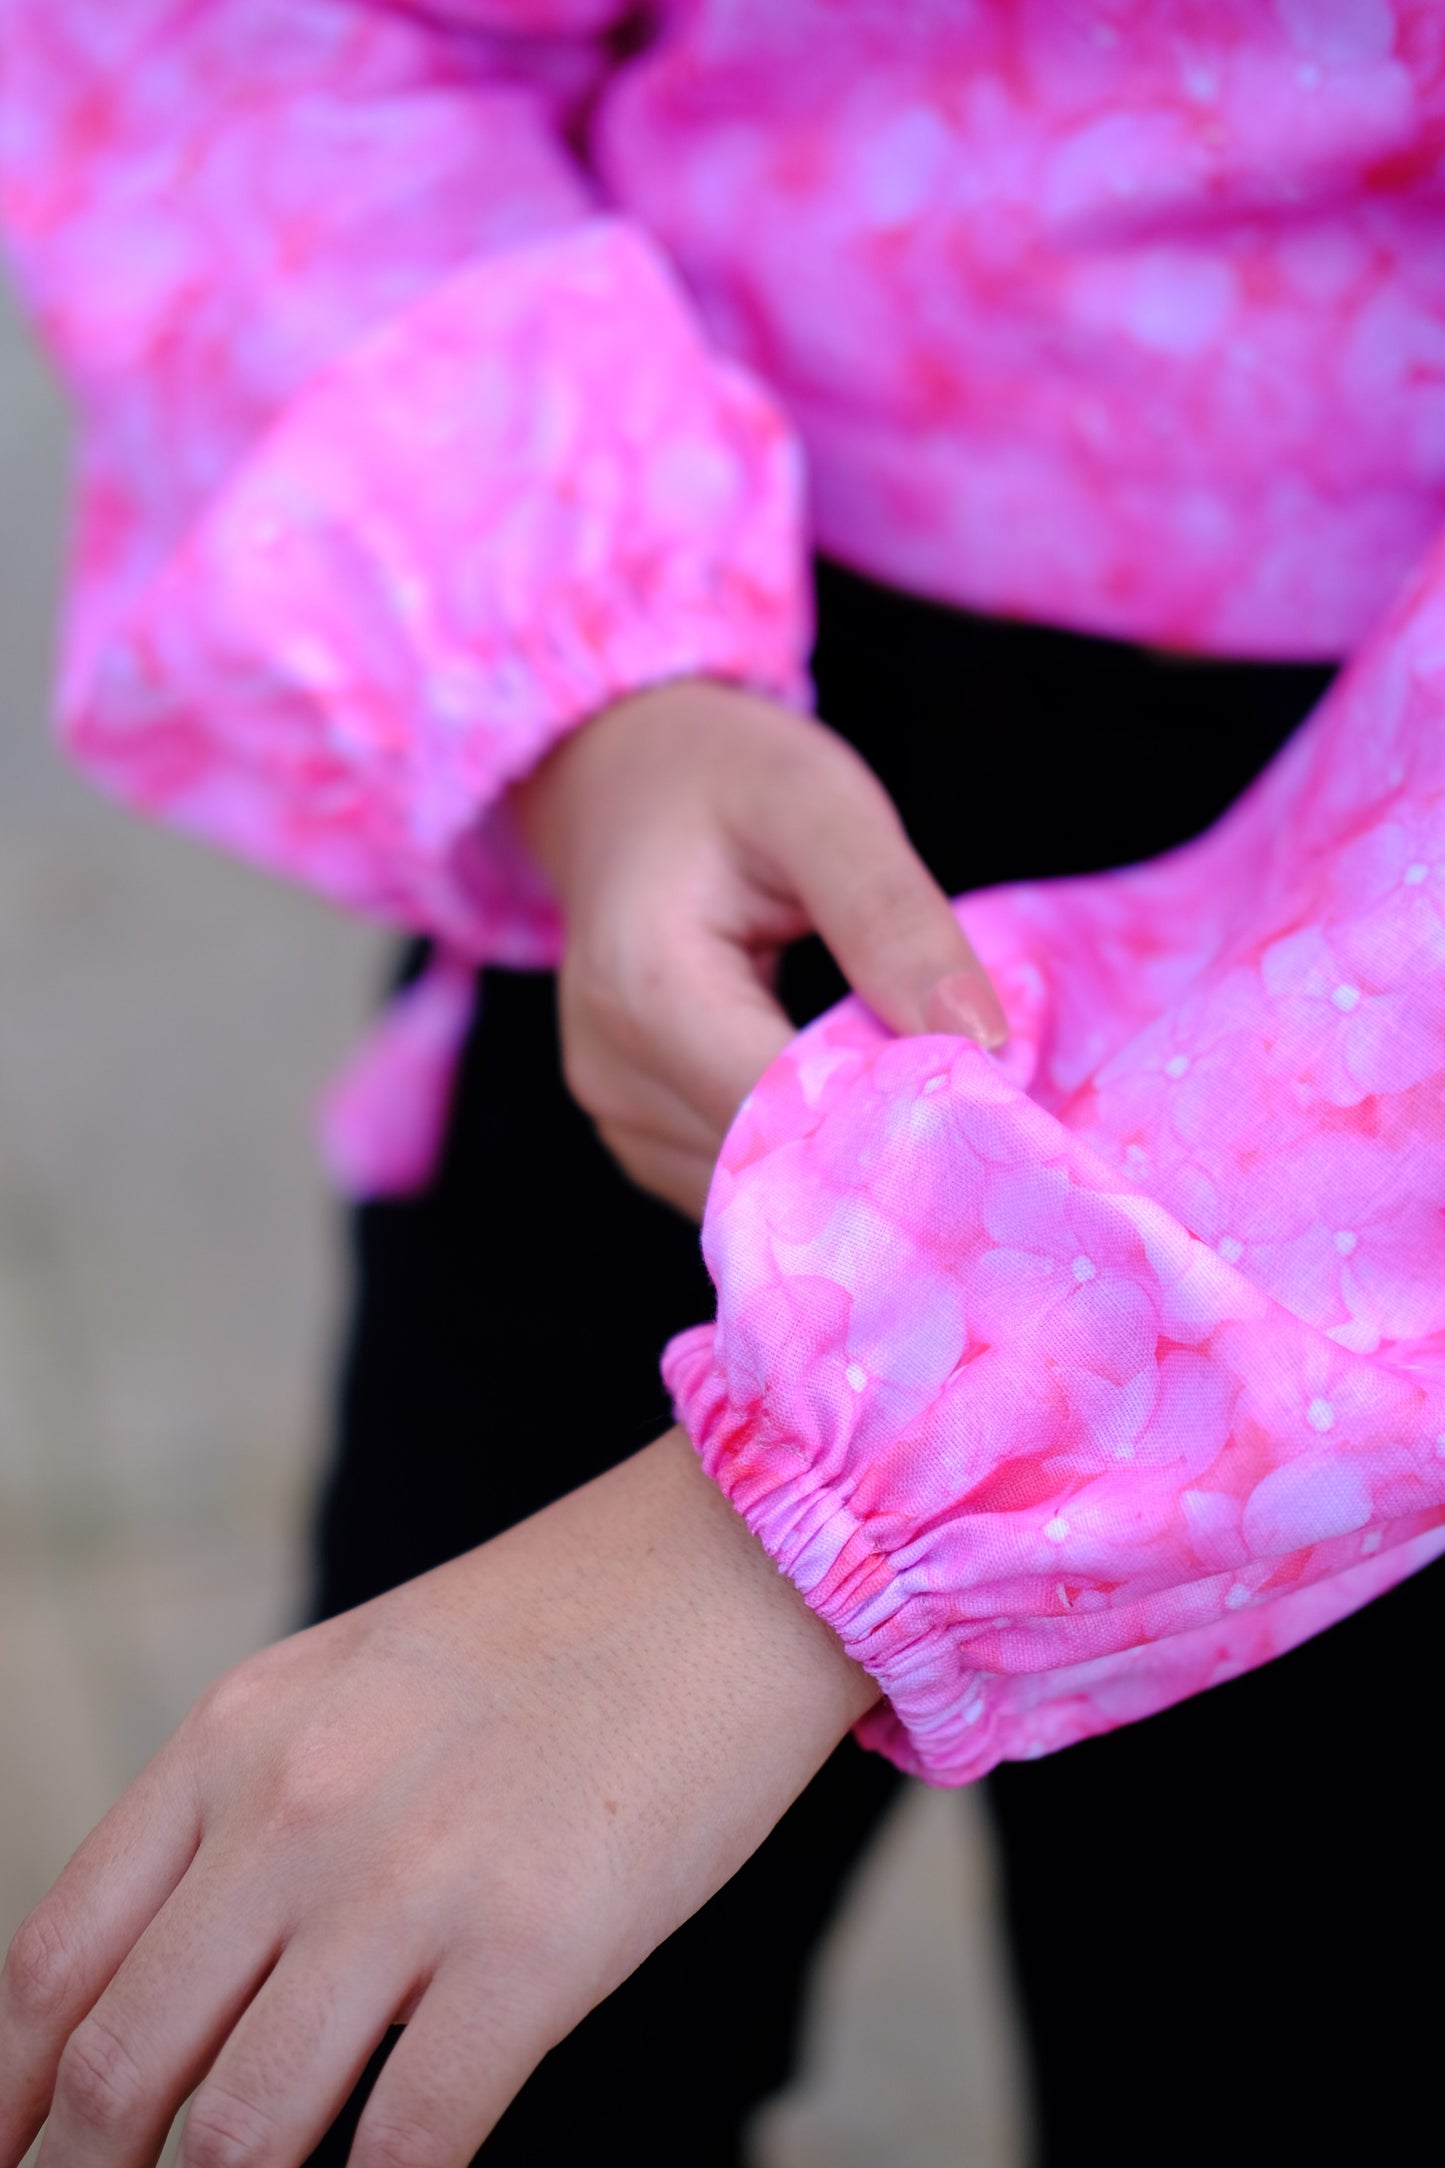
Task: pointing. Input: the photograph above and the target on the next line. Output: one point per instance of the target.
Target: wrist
(585, 789)
(795, 1658)
(683, 1615)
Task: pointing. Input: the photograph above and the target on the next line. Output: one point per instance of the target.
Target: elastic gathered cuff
(928, 1722)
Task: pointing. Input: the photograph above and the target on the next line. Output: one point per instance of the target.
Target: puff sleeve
(398, 454)
(1068, 1383)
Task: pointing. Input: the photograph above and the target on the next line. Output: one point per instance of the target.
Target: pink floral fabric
(1069, 1382)
(445, 371)
(399, 456)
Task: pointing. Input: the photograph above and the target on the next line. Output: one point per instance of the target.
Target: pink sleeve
(1069, 1383)
(398, 455)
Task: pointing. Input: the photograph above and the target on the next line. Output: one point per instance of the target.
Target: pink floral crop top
(445, 371)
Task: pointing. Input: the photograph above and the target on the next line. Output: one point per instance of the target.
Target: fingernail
(964, 1004)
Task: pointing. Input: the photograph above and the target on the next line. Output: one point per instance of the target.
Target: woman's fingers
(692, 830)
(73, 1943)
(715, 1030)
(676, 1062)
(476, 2036)
(619, 1067)
(295, 2057)
(135, 2055)
(868, 893)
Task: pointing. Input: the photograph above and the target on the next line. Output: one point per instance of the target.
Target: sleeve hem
(934, 1722)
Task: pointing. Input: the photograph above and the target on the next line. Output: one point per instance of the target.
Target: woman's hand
(691, 831)
(475, 1804)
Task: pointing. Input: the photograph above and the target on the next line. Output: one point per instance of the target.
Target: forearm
(668, 1603)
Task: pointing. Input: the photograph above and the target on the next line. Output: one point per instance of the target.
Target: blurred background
(170, 1289)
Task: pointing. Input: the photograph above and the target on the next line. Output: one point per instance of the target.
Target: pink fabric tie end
(383, 1119)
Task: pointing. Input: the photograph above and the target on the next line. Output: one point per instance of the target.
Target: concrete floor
(168, 1305)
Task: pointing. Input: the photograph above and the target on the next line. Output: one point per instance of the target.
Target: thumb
(888, 923)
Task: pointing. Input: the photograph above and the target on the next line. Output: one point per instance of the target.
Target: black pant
(1190, 1902)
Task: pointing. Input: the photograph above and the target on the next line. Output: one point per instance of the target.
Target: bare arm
(475, 1804)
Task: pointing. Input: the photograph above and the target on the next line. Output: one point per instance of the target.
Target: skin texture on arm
(475, 1804)
(691, 831)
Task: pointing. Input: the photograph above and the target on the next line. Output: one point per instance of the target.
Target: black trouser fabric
(1198, 1942)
